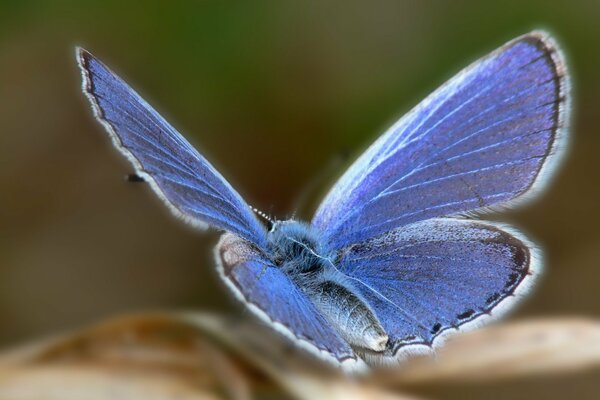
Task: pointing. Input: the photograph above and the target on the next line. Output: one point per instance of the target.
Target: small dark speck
(134, 178)
(512, 279)
(436, 328)
(467, 314)
(492, 298)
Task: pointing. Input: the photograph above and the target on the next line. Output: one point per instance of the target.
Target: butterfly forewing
(482, 140)
(183, 178)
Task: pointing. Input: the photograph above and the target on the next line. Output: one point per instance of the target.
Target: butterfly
(394, 258)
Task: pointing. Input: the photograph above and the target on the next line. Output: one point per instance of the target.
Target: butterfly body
(297, 249)
(394, 258)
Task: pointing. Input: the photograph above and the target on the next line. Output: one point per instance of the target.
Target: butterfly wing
(437, 276)
(191, 187)
(486, 138)
(271, 295)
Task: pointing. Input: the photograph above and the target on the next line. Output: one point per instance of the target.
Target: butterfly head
(296, 247)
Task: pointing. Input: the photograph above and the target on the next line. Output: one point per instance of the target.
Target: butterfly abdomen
(354, 320)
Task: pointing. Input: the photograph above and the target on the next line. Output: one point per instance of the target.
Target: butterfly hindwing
(275, 298)
(438, 275)
(191, 187)
(486, 138)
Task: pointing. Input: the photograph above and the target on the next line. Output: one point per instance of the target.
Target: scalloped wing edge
(505, 305)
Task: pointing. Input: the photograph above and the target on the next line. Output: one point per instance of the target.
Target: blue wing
(432, 276)
(189, 185)
(487, 137)
(269, 293)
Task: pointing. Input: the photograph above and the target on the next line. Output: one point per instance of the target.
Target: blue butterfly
(392, 260)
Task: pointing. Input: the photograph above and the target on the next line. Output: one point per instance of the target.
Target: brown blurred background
(274, 94)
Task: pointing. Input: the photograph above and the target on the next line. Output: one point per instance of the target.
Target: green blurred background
(274, 94)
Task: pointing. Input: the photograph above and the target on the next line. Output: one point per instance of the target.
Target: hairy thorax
(298, 251)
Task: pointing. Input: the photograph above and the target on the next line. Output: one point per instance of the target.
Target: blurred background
(274, 94)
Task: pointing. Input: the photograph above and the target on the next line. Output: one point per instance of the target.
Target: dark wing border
(499, 307)
(558, 147)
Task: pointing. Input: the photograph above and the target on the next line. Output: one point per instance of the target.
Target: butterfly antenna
(263, 215)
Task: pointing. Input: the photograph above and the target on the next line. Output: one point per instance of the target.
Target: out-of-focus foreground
(274, 94)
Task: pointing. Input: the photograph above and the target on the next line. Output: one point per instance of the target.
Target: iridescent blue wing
(486, 138)
(188, 184)
(437, 276)
(269, 293)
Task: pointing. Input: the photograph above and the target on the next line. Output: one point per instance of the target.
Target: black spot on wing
(466, 315)
(493, 298)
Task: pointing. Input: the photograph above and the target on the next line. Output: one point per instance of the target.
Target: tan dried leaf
(139, 357)
(173, 356)
(517, 349)
(302, 376)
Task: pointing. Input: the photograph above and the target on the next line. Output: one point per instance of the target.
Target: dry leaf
(203, 356)
(504, 351)
(173, 356)
(300, 374)
(145, 357)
